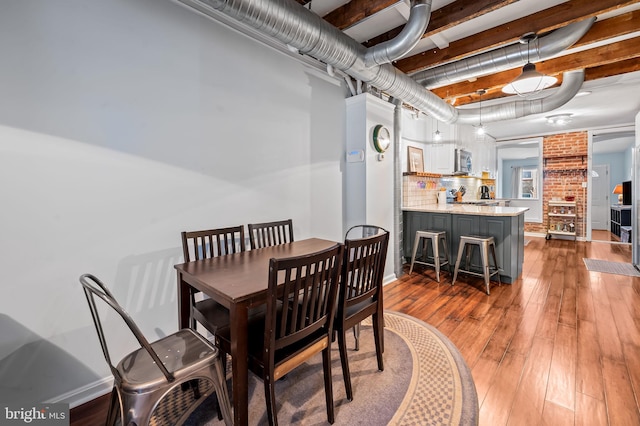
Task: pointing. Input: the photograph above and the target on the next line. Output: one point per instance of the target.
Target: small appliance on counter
(484, 192)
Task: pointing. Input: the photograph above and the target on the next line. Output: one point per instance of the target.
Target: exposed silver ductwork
(302, 29)
(571, 84)
(402, 44)
(504, 58)
(298, 27)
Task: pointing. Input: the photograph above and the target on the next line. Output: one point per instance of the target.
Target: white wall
(123, 123)
(370, 183)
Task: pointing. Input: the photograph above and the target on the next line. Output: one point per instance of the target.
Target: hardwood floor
(601, 235)
(560, 346)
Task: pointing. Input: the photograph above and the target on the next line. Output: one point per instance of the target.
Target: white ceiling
(613, 102)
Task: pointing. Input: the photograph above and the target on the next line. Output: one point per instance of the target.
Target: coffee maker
(484, 192)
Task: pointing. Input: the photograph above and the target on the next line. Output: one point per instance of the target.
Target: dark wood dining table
(239, 282)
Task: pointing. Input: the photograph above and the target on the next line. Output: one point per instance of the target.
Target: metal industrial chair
(485, 244)
(435, 239)
(360, 295)
(156, 371)
(363, 231)
(270, 233)
(206, 244)
(298, 323)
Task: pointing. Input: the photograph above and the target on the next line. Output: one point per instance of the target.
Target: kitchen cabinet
(505, 224)
(439, 158)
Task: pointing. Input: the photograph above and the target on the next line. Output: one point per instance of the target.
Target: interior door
(600, 207)
(635, 201)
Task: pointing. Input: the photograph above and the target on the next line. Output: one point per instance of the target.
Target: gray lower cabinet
(508, 232)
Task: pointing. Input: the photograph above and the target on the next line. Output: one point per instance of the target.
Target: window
(519, 175)
(528, 183)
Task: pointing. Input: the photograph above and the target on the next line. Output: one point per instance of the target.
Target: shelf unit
(562, 215)
(620, 217)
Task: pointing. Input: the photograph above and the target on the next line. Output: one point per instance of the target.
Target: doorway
(600, 211)
(610, 153)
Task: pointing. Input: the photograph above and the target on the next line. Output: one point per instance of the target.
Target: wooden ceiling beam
(598, 62)
(355, 11)
(623, 24)
(609, 70)
(448, 16)
(540, 22)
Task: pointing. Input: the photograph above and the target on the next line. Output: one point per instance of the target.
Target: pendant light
(437, 136)
(529, 81)
(480, 128)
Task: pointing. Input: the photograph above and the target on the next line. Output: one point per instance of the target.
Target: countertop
(485, 202)
(470, 209)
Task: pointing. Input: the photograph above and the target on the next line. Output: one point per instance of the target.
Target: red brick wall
(564, 170)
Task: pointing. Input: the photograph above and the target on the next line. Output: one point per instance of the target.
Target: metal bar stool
(467, 242)
(436, 238)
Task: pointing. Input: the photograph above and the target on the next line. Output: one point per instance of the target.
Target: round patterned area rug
(425, 382)
(442, 391)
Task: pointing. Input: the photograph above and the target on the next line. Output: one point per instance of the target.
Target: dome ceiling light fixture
(559, 119)
(530, 81)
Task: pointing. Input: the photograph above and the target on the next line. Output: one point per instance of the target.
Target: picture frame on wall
(415, 162)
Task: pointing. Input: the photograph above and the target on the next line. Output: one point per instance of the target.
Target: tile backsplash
(418, 190)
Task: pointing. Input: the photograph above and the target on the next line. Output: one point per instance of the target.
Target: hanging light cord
(481, 92)
(480, 130)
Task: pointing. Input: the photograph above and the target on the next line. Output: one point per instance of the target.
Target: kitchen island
(505, 224)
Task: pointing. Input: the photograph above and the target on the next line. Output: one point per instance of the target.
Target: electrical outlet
(584, 184)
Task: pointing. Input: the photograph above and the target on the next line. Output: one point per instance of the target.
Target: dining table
(239, 282)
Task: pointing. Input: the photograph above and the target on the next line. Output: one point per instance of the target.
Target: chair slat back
(94, 291)
(363, 268)
(209, 243)
(302, 296)
(270, 233)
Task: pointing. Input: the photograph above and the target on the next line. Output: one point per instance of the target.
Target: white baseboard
(85, 393)
(543, 235)
(535, 234)
(388, 279)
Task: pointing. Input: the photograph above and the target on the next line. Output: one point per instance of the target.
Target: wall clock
(381, 138)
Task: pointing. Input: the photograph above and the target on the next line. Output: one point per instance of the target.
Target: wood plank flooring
(560, 346)
(601, 235)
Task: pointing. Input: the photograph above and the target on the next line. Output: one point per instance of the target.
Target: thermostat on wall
(355, 156)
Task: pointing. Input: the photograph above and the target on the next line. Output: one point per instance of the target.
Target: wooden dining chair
(360, 295)
(206, 244)
(270, 233)
(298, 322)
(209, 243)
(148, 385)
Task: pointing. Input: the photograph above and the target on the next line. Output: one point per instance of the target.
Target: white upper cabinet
(439, 158)
(418, 130)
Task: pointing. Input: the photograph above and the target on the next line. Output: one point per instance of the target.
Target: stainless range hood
(462, 164)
